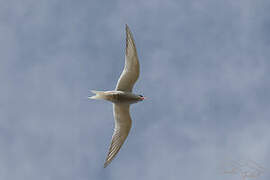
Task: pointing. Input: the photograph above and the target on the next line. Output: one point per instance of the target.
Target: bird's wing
(131, 70)
(122, 126)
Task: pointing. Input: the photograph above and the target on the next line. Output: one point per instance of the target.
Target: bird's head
(140, 97)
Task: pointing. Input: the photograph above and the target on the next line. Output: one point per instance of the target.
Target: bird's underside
(122, 97)
(125, 83)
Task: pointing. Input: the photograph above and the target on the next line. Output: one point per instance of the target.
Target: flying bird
(122, 97)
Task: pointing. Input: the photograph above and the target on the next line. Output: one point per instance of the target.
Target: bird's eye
(141, 95)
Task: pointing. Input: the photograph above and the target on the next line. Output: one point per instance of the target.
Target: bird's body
(122, 97)
(119, 97)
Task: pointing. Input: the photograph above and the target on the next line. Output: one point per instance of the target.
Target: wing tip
(128, 31)
(107, 162)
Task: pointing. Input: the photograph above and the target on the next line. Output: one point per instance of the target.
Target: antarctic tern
(122, 97)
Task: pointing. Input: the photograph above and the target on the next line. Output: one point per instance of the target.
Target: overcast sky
(205, 68)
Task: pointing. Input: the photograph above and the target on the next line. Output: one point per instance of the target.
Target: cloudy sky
(205, 68)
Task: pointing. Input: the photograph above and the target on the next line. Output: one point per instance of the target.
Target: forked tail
(98, 95)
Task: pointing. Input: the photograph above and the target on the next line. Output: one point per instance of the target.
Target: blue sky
(204, 68)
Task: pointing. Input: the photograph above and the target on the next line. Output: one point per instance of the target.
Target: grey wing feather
(122, 126)
(131, 70)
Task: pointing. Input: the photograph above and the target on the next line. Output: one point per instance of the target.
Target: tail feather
(99, 95)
